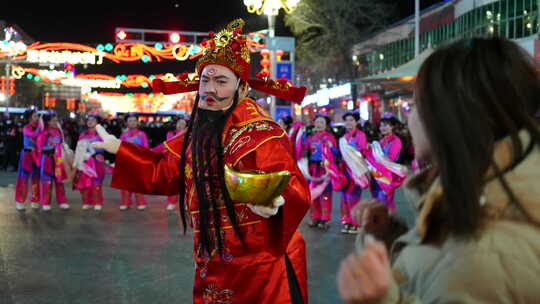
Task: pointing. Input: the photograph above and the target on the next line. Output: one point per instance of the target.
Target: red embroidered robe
(256, 273)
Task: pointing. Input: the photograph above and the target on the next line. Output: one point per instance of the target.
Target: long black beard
(204, 132)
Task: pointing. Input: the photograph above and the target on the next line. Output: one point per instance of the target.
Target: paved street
(123, 257)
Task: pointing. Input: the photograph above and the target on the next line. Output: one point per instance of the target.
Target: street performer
(235, 175)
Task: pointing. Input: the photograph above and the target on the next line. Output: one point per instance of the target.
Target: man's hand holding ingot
(267, 212)
(110, 143)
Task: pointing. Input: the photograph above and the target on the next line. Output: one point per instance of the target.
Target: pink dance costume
(391, 146)
(52, 172)
(90, 180)
(321, 208)
(137, 137)
(28, 165)
(352, 192)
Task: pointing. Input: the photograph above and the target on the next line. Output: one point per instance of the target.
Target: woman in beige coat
(477, 233)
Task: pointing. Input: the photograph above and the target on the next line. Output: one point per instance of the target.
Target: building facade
(388, 61)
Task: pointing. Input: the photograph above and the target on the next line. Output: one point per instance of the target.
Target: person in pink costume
(181, 126)
(391, 147)
(90, 163)
(321, 148)
(295, 135)
(52, 172)
(133, 135)
(28, 163)
(352, 192)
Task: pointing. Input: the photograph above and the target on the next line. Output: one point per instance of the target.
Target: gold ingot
(256, 188)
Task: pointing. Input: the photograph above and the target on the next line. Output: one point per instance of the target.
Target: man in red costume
(245, 252)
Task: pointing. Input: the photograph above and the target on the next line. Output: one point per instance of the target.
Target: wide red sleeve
(272, 156)
(141, 170)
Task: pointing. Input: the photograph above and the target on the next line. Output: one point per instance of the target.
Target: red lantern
(265, 63)
(46, 99)
(279, 54)
(265, 53)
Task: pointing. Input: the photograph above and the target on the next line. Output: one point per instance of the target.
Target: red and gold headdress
(228, 48)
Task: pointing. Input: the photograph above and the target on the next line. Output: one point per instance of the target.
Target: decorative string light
(270, 7)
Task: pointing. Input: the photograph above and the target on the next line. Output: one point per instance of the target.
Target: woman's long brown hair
(469, 95)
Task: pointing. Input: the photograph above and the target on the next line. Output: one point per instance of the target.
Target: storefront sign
(339, 91)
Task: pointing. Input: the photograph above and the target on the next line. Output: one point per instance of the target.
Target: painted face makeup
(212, 98)
(217, 88)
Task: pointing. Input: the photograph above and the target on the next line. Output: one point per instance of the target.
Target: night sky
(93, 22)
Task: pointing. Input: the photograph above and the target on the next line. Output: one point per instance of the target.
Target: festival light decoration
(279, 54)
(92, 83)
(73, 53)
(17, 72)
(121, 35)
(113, 102)
(265, 63)
(12, 48)
(90, 80)
(48, 101)
(174, 38)
(40, 56)
(70, 104)
(7, 85)
(60, 52)
(82, 107)
(270, 7)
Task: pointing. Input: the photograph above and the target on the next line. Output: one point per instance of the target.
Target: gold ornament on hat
(223, 38)
(227, 48)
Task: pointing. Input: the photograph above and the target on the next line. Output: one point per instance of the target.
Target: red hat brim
(173, 87)
(270, 87)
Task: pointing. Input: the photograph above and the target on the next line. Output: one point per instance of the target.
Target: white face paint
(217, 87)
